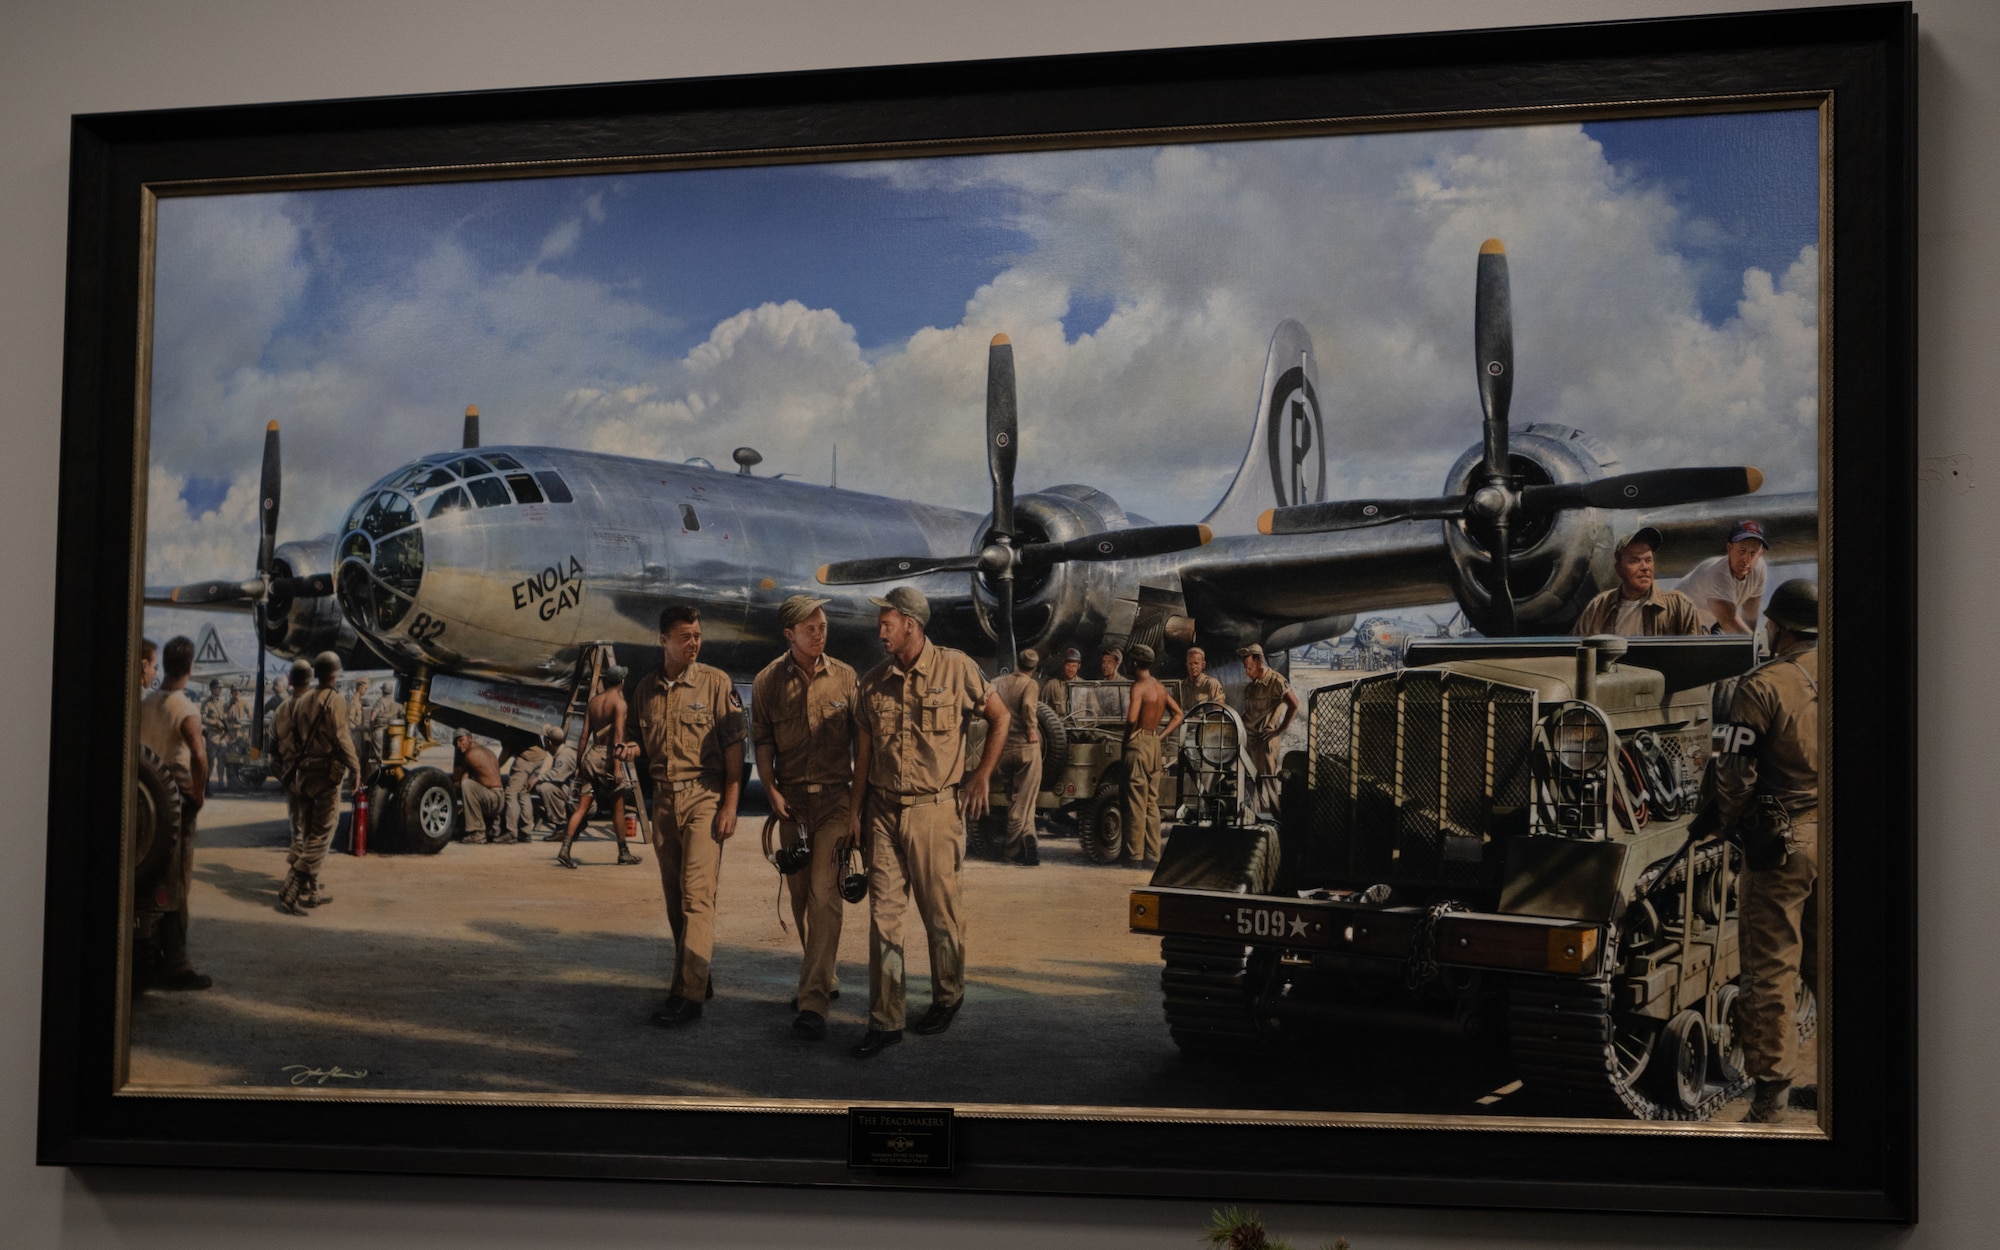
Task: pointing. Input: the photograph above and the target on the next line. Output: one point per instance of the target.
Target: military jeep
(1495, 842)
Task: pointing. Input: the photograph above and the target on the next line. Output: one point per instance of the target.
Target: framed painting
(593, 602)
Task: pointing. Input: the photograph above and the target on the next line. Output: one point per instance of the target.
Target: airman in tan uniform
(909, 810)
(1767, 756)
(1636, 607)
(318, 754)
(1200, 686)
(1269, 703)
(691, 735)
(802, 726)
(1055, 691)
(1021, 760)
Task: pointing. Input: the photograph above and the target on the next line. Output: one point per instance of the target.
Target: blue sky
(1664, 275)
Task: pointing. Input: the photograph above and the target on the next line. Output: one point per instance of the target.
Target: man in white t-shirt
(1730, 587)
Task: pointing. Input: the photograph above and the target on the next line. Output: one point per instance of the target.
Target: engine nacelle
(1559, 560)
(1066, 601)
(296, 628)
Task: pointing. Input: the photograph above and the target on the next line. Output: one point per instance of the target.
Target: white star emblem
(1298, 926)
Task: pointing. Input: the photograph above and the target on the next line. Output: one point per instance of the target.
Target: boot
(289, 892)
(625, 855)
(315, 894)
(562, 856)
(1769, 1105)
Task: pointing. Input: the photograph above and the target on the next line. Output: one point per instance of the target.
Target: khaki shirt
(561, 766)
(1055, 693)
(1770, 744)
(314, 743)
(1663, 613)
(686, 725)
(916, 720)
(807, 721)
(1264, 703)
(1204, 689)
(1017, 693)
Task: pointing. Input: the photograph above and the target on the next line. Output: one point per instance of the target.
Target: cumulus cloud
(1198, 252)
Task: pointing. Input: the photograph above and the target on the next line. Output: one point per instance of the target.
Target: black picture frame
(1860, 58)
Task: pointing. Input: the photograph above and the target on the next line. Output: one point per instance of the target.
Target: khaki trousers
(1265, 753)
(555, 803)
(315, 815)
(912, 852)
(172, 931)
(690, 871)
(482, 809)
(1023, 765)
(517, 807)
(815, 891)
(1772, 917)
(1142, 796)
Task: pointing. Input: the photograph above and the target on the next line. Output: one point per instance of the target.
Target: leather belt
(920, 800)
(821, 787)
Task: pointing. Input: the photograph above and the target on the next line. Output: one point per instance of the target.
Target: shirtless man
(476, 773)
(601, 767)
(1143, 757)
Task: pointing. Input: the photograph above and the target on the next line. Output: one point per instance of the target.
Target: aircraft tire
(425, 816)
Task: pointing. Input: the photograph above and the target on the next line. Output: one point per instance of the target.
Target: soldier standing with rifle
(1766, 778)
(318, 753)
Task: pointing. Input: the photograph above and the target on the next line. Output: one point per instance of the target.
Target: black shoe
(185, 979)
(711, 988)
(562, 857)
(810, 1025)
(1031, 854)
(678, 1011)
(938, 1018)
(794, 1004)
(1804, 1098)
(553, 835)
(627, 857)
(874, 1042)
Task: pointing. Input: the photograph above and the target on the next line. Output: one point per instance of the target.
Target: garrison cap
(1141, 653)
(1795, 606)
(554, 735)
(1029, 659)
(1255, 649)
(909, 601)
(1644, 534)
(798, 608)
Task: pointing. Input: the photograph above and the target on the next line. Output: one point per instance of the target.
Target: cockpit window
(432, 477)
(689, 521)
(525, 490)
(488, 492)
(389, 513)
(453, 500)
(553, 486)
(469, 467)
(502, 460)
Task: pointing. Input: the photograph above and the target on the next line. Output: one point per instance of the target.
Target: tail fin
(1285, 463)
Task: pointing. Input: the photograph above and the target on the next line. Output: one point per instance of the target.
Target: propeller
(1498, 502)
(1002, 554)
(266, 590)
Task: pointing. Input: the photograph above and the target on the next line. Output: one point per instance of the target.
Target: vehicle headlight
(1214, 740)
(1579, 738)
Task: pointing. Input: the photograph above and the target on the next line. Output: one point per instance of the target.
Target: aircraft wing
(1303, 577)
(163, 597)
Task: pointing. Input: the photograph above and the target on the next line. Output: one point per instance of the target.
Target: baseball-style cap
(1141, 653)
(798, 608)
(1255, 649)
(1072, 656)
(909, 601)
(1749, 529)
(1644, 534)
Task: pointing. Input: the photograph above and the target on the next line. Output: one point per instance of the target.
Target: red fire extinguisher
(360, 839)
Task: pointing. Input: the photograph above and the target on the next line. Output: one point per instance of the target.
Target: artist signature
(303, 1073)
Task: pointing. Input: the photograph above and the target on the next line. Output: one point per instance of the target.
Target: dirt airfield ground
(490, 969)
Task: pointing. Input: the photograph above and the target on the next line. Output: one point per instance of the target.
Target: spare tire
(156, 820)
(1055, 743)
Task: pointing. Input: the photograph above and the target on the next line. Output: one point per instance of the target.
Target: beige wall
(59, 57)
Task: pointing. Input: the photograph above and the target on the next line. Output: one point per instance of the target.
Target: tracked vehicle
(1493, 841)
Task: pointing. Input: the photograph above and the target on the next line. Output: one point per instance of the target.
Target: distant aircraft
(485, 576)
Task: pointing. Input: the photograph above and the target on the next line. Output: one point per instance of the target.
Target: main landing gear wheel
(1100, 829)
(420, 807)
